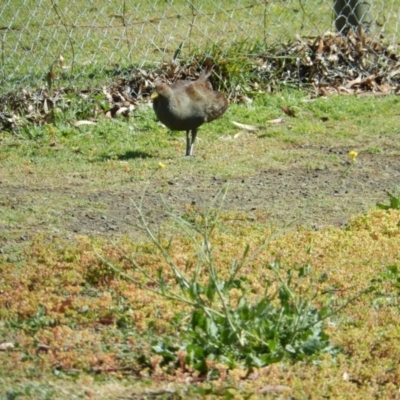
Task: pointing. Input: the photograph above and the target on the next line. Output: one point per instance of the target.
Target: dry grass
(65, 310)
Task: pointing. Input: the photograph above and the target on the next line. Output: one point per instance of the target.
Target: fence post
(349, 14)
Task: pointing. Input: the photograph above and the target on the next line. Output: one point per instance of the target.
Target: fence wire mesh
(94, 37)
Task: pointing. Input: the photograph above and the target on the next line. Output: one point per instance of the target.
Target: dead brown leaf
(288, 111)
(77, 124)
(247, 127)
(276, 121)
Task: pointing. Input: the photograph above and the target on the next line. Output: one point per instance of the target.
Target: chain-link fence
(98, 36)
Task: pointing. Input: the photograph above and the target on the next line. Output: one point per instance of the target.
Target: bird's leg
(188, 147)
(194, 134)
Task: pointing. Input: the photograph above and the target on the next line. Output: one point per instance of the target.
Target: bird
(186, 105)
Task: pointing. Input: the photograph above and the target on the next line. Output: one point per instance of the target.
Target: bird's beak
(154, 95)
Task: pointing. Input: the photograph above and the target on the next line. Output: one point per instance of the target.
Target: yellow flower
(353, 155)
(161, 165)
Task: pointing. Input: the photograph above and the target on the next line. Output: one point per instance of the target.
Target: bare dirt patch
(314, 198)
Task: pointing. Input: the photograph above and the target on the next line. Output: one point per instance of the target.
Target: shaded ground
(314, 198)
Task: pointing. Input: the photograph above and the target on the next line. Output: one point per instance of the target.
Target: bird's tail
(205, 73)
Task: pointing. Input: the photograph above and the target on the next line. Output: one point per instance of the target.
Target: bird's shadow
(128, 155)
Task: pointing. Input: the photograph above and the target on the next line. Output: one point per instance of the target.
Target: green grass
(132, 149)
(121, 151)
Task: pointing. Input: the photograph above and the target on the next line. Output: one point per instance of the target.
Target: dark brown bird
(185, 105)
